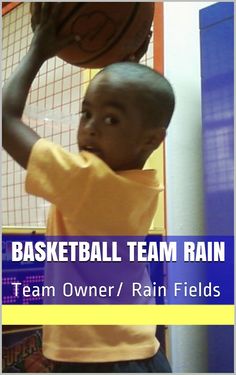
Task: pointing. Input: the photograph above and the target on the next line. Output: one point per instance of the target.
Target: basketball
(105, 32)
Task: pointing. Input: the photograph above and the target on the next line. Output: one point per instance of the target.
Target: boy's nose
(91, 127)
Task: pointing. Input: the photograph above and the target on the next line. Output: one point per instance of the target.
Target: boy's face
(111, 126)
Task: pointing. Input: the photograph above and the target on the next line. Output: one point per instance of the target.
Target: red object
(7, 6)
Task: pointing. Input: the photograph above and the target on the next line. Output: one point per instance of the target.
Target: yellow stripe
(119, 314)
(23, 230)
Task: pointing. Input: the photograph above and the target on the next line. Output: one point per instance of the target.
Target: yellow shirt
(88, 198)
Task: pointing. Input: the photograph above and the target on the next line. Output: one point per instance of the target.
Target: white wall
(188, 344)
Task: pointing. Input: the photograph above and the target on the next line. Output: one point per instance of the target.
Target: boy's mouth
(92, 149)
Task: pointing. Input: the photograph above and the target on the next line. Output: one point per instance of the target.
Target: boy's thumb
(67, 40)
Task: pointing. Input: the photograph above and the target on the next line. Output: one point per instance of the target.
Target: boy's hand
(46, 41)
(141, 51)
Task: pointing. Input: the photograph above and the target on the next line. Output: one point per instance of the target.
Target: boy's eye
(111, 120)
(85, 114)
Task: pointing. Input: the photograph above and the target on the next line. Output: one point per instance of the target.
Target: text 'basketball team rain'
(102, 251)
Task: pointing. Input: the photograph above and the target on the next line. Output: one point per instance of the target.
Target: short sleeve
(88, 193)
(59, 176)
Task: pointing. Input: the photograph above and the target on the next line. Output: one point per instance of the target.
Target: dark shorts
(157, 363)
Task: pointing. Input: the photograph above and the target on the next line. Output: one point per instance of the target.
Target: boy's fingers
(66, 41)
(142, 50)
(45, 12)
(56, 10)
(144, 47)
(36, 14)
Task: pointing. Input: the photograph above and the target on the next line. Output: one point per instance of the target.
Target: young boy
(100, 191)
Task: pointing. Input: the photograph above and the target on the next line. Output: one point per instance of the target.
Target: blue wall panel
(217, 58)
(217, 74)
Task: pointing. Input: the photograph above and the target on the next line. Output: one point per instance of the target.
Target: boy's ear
(154, 137)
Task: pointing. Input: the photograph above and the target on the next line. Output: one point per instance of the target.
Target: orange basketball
(108, 32)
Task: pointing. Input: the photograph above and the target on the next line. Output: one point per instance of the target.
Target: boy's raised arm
(18, 138)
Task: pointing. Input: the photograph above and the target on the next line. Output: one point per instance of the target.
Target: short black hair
(155, 93)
